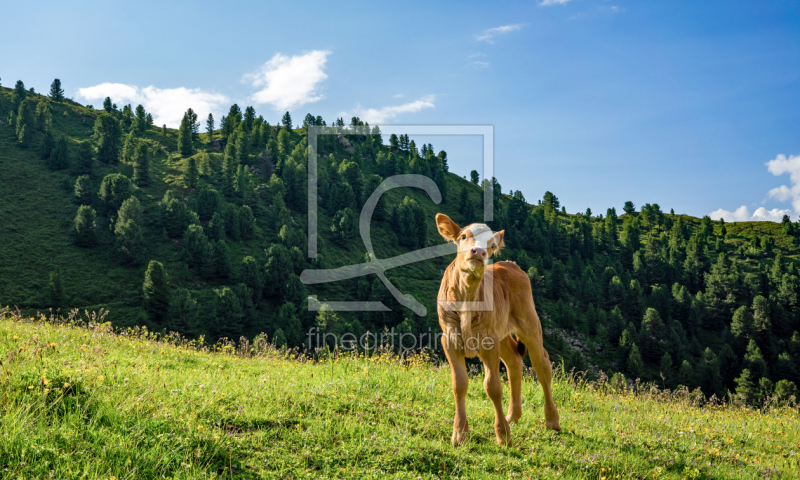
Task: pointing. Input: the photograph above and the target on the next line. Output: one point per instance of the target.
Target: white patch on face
(482, 235)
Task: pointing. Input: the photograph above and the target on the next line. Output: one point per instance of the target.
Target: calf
(479, 307)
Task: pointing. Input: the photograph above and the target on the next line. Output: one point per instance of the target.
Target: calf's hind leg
(513, 362)
(531, 335)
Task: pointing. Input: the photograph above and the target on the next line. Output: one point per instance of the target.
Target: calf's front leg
(460, 380)
(494, 389)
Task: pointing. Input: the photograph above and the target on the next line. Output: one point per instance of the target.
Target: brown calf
(501, 304)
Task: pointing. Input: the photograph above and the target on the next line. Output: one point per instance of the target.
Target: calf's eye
(463, 237)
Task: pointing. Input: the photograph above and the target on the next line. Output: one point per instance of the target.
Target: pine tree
(86, 226)
(191, 174)
(83, 190)
(229, 169)
(210, 128)
(85, 159)
(185, 136)
(115, 189)
(140, 122)
(107, 105)
(194, 125)
(286, 121)
(59, 157)
(635, 362)
(216, 227)
(56, 92)
(130, 241)
(156, 291)
(24, 123)
(141, 165)
(18, 95)
(46, 147)
(108, 134)
(182, 311)
(57, 296)
(129, 147)
(44, 119)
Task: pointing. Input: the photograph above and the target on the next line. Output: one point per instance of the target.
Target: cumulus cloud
(779, 165)
(742, 214)
(488, 35)
(289, 82)
(547, 3)
(167, 105)
(382, 115)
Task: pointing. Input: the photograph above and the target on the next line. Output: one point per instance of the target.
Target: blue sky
(691, 105)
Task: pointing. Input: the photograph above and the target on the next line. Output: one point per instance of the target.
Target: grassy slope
(87, 403)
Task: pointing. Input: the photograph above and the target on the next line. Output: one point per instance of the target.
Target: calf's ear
(499, 238)
(447, 228)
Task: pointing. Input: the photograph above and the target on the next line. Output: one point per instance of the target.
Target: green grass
(86, 402)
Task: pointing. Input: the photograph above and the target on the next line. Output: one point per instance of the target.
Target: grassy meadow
(80, 400)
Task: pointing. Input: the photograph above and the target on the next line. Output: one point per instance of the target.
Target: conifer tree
(140, 121)
(24, 123)
(182, 311)
(86, 226)
(216, 227)
(194, 125)
(108, 134)
(156, 291)
(85, 158)
(107, 105)
(56, 92)
(191, 173)
(185, 136)
(229, 169)
(46, 147)
(129, 147)
(141, 165)
(44, 119)
(57, 296)
(474, 177)
(286, 121)
(18, 95)
(59, 157)
(210, 128)
(130, 241)
(83, 190)
(114, 190)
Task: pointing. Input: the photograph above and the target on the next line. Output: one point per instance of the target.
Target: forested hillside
(205, 233)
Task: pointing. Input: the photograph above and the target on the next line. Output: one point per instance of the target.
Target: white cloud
(382, 115)
(774, 215)
(791, 165)
(547, 3)
(289, 81)
(777, 166)
(741, 214)
(167, 105)
(488, 35)
(479, 64)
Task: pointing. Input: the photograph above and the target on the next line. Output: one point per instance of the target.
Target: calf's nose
(475, 251)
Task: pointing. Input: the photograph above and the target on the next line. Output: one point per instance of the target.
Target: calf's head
(476, 243)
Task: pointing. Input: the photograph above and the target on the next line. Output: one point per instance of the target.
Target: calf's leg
(513, 362)
(460, 380)
(531, 334)
(494, 389)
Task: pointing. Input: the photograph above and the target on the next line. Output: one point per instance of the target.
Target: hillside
(91, 403)
(206, 236)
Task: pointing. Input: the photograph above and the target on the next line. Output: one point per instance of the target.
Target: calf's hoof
(553, 425)
(458, 437)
